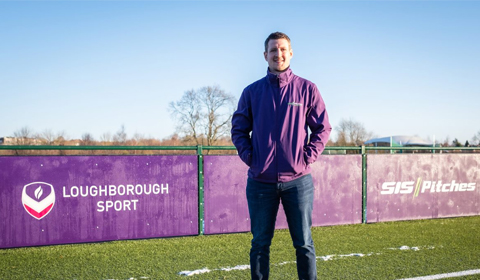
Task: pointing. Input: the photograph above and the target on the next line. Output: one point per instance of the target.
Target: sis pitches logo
(38, 199)
(420, 186)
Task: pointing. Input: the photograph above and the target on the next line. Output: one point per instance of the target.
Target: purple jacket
(278, 110)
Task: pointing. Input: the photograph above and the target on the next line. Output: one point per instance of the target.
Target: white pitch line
(246, 266)
(323, 258)
(445, 275)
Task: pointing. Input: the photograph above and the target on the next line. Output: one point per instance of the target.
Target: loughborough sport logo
(38, 199)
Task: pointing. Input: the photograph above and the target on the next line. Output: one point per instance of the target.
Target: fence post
(364, 185)
(201, 198)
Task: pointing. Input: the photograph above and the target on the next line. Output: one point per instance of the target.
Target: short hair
(277, 35)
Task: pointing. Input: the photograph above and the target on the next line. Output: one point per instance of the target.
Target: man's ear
(265, 55)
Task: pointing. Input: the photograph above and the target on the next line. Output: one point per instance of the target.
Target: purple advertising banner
(70, 199)
(338, 193)
(422, 186)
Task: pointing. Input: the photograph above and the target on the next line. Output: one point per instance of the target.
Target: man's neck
(278, 72)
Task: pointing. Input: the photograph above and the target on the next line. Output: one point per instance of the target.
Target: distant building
(36, 141)
(7, 140)
(18, 141)
(74, 142)
(400, 141)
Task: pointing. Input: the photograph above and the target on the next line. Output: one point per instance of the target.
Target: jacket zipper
(277, 129)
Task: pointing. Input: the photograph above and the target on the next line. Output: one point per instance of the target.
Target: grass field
(393, 250)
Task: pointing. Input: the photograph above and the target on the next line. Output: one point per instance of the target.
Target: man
(278, 110)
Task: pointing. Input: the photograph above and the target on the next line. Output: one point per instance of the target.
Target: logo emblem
(38, 199)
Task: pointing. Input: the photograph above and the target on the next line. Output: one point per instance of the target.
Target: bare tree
(120, 138)
(341, 137)
(23, 136)
(352, 133)
(456, 143)
(87, 140)
(47, 137)
(61, 138)
(106, 137)
(187, 112)
(446, 142)
(476, 139)
(204, 114)
(138, 139)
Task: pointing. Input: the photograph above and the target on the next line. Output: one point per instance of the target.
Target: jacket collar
(281, 79)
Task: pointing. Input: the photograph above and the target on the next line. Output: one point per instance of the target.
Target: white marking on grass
(195, 272)
(238, 267)
(131, 278)
(323, 258)
(418, 248)
(445, 275)
(335, 257)
(246, 266)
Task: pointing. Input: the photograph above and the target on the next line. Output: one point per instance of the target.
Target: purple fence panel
(338, 193)
(225, 180)
(414, 186)
(58, 199)
(338, 190)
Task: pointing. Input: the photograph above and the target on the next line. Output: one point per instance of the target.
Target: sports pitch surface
(420, 250)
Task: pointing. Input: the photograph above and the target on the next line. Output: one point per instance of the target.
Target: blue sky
(398, 67)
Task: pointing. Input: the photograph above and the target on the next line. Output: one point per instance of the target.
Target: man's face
(278, 55)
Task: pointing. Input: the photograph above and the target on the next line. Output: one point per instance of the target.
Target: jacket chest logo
(295, 104)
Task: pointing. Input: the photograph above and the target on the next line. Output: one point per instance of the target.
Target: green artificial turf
(444, 245)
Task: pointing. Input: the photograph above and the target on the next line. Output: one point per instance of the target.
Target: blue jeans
(297, 200)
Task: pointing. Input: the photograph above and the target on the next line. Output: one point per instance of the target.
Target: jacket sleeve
(242, 123)
(317, 121)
